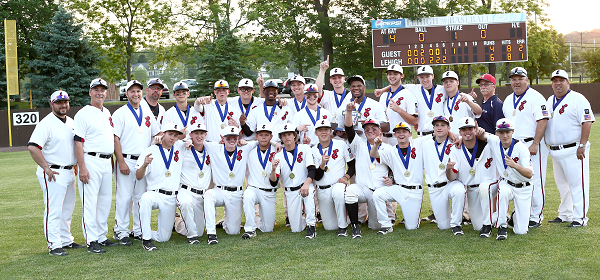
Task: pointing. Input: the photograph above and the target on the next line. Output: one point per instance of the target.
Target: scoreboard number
(25, 118)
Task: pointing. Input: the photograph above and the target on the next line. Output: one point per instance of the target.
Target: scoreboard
(450, 40)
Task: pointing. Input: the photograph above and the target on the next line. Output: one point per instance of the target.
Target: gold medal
(515, 112)
(372, 166)
(223, 125)
(430, 114)
(292, 175)
(451, 119)
(201, 174)
(472, 171)
(231, 175)
(326, 169)
(140, 130)
(505, 173)
(264, 173)
(406, 173)
(168, 173)
(442, 166)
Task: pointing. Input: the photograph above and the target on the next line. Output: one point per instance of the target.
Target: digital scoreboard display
(450, 40)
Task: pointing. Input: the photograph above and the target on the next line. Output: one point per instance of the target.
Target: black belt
(324, 187)
(438, 185)
(293, 189)
(473, 186)
(527, 139)
(265, 190)
(388, 135)
(54, 166)
(166, 192)
(560, 147)
(518, 185)
(100, 155)
(412, 187)
(231, 189)
(198, 191)
(424, 133)
(134, 157)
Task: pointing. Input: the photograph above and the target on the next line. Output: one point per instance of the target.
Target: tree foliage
(592, 66)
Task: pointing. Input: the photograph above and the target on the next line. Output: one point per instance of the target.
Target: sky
(573, 15)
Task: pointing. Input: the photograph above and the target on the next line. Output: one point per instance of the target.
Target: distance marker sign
(450, 40)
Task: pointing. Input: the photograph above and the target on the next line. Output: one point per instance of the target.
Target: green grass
(552, 251)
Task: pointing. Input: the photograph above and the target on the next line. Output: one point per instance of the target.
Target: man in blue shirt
(491, 106)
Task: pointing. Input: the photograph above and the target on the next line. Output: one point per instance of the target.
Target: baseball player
(458, 105)
(406, 161)
(133, 132)
(271, 111)
(182, 114)
(94, 146)
(228, 164)
(297, 171)
(219, 113)
(259, 190)
(399, 103)
(526, 108)
(162, 177)
(567, 135)
(513, 162)
(297, 103)
(51, 147)
(332, 100)
(196, 176)
(306, 119)
(245, 103)
(154, 89)
(491, 107)
(331, 178)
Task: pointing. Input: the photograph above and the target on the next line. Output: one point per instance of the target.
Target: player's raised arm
(321, 77)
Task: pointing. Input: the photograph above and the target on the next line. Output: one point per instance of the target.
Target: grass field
(552, 251)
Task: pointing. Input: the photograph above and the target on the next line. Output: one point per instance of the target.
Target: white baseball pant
(488, 191)
(410, 201)
(440, 204)
(294, 205)
(231, 201)
(333, 206)
(166, 205)
(267, 203)
(129, 190)
(365, 197)
(475, 209)
(538, 198)
(521, 198)
(191, 206)
(573, 175)
(96, 197)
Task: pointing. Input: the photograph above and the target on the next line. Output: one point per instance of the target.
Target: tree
(547, 51)
(66, 61)
(592, 66)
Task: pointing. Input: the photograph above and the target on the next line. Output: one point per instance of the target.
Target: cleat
(486, 231)
(502, 233)
(249, 234)
(575, 224)
(138, 237)
(318, 217)
(311, 232)
(95, 248)
(343, 232)
(402, 222)
(57, 252)
(511, 221)
(457, 230)
(533, 224)
(193, 240)
(73, 245)
(212, 239)
(356, 233)
(125, 241)
(219, 224)
(148, 245)
(287, 222)
(557, 220)
(385, 230)
(108, 243)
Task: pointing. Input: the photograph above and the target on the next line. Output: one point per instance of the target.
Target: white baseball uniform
(135, 134)
(432, 100)
(525, 111)
(217, 117)
(330, 193)
(160, 111)
(455, 110)
(259, 191)
(297, 165)
(187, 118)
(310, 117)
(332, 101)
(228, 172)
(94, 128)
(521, 195)
(240, 108)
(405, 100)
(294, 106)
(572, 175)
(269, 114)
(367, 108)
(162, 175)
(55, 138)
(196, 176)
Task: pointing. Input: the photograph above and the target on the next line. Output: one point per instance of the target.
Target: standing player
(271, 111)
(182, 114)
(245, 103)
(452, 106)
(162, 176)
(527, 109)
(306, 119)
(219, 113)
(297, 171)
(51, 147)
(567, 135)
(399, 103)
(491, 108)
(134, 129)
(94, 146)
(154, 89)
(332, 100)
(297, 103)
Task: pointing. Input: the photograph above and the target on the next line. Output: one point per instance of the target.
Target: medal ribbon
(554, 103)
(222, 114)
(164, 157)
(141, 116)
(516, 101)
(187, 114)
(200, 164)
(430, 101)
(329, 149)
(339, 102)
(296, 103)
(369, 146)
(242, 106)
(512, 145)
(229, 162)
(312, 119)
(362, 104)
(387, 102)
(267, 114)
(405, 159)
(293, 159)
(453, 102)
(437, 151)
(471, 160)
(263, 163)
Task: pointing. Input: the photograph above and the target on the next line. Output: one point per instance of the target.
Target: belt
(198, 191)
(518, 185)
(106, 156)
(560, 147)
(388, 135)
(265, 190)
(293, 188)
(527, 139)
(166, 192)
(324, 187)
(231, 189)
(412, 187)
(438, 185)
(54, 166)
(134, 157)
(424, 133)
(473, 186)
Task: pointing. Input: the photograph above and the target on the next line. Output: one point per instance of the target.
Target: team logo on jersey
(456, 105)
(516, 159)
(239, 155)
(335, 154)
(147, 123)
(562, 109)
(325, 117)
(207, 160)
(176, 158)
(413, 153)
(448, 149)
(587, 115)
(488, 163)
(193, 121)
(300, 157)
(438, 99)
(544, 111)
(111, 122)
(284, 116)
(399, 101)
(271, 156)
(367, 112)
(522, 106)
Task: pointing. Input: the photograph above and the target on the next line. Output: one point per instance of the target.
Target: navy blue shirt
(492, 112)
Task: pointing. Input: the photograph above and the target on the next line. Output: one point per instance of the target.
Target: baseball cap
(466, 122)
(286, 127)
(371, 121)
(310, 88)
(59, 95)
(336, 71)
(356, 78)
(395, 67)
(560, 73)
(425, 69)
(230, 130)
(264, 127)
(518, 71)
(270, 83)
(221, 84)
(440, 118)
(171, 127)
(198, 126)
(486, 77)
(245, 83)
(133, 83)
(504, 124)
(180, 85)
(297, 78)
(401, 125)
(339, 128)
(98, 82)
(322, 123)
(155, 81)
(449, 74)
